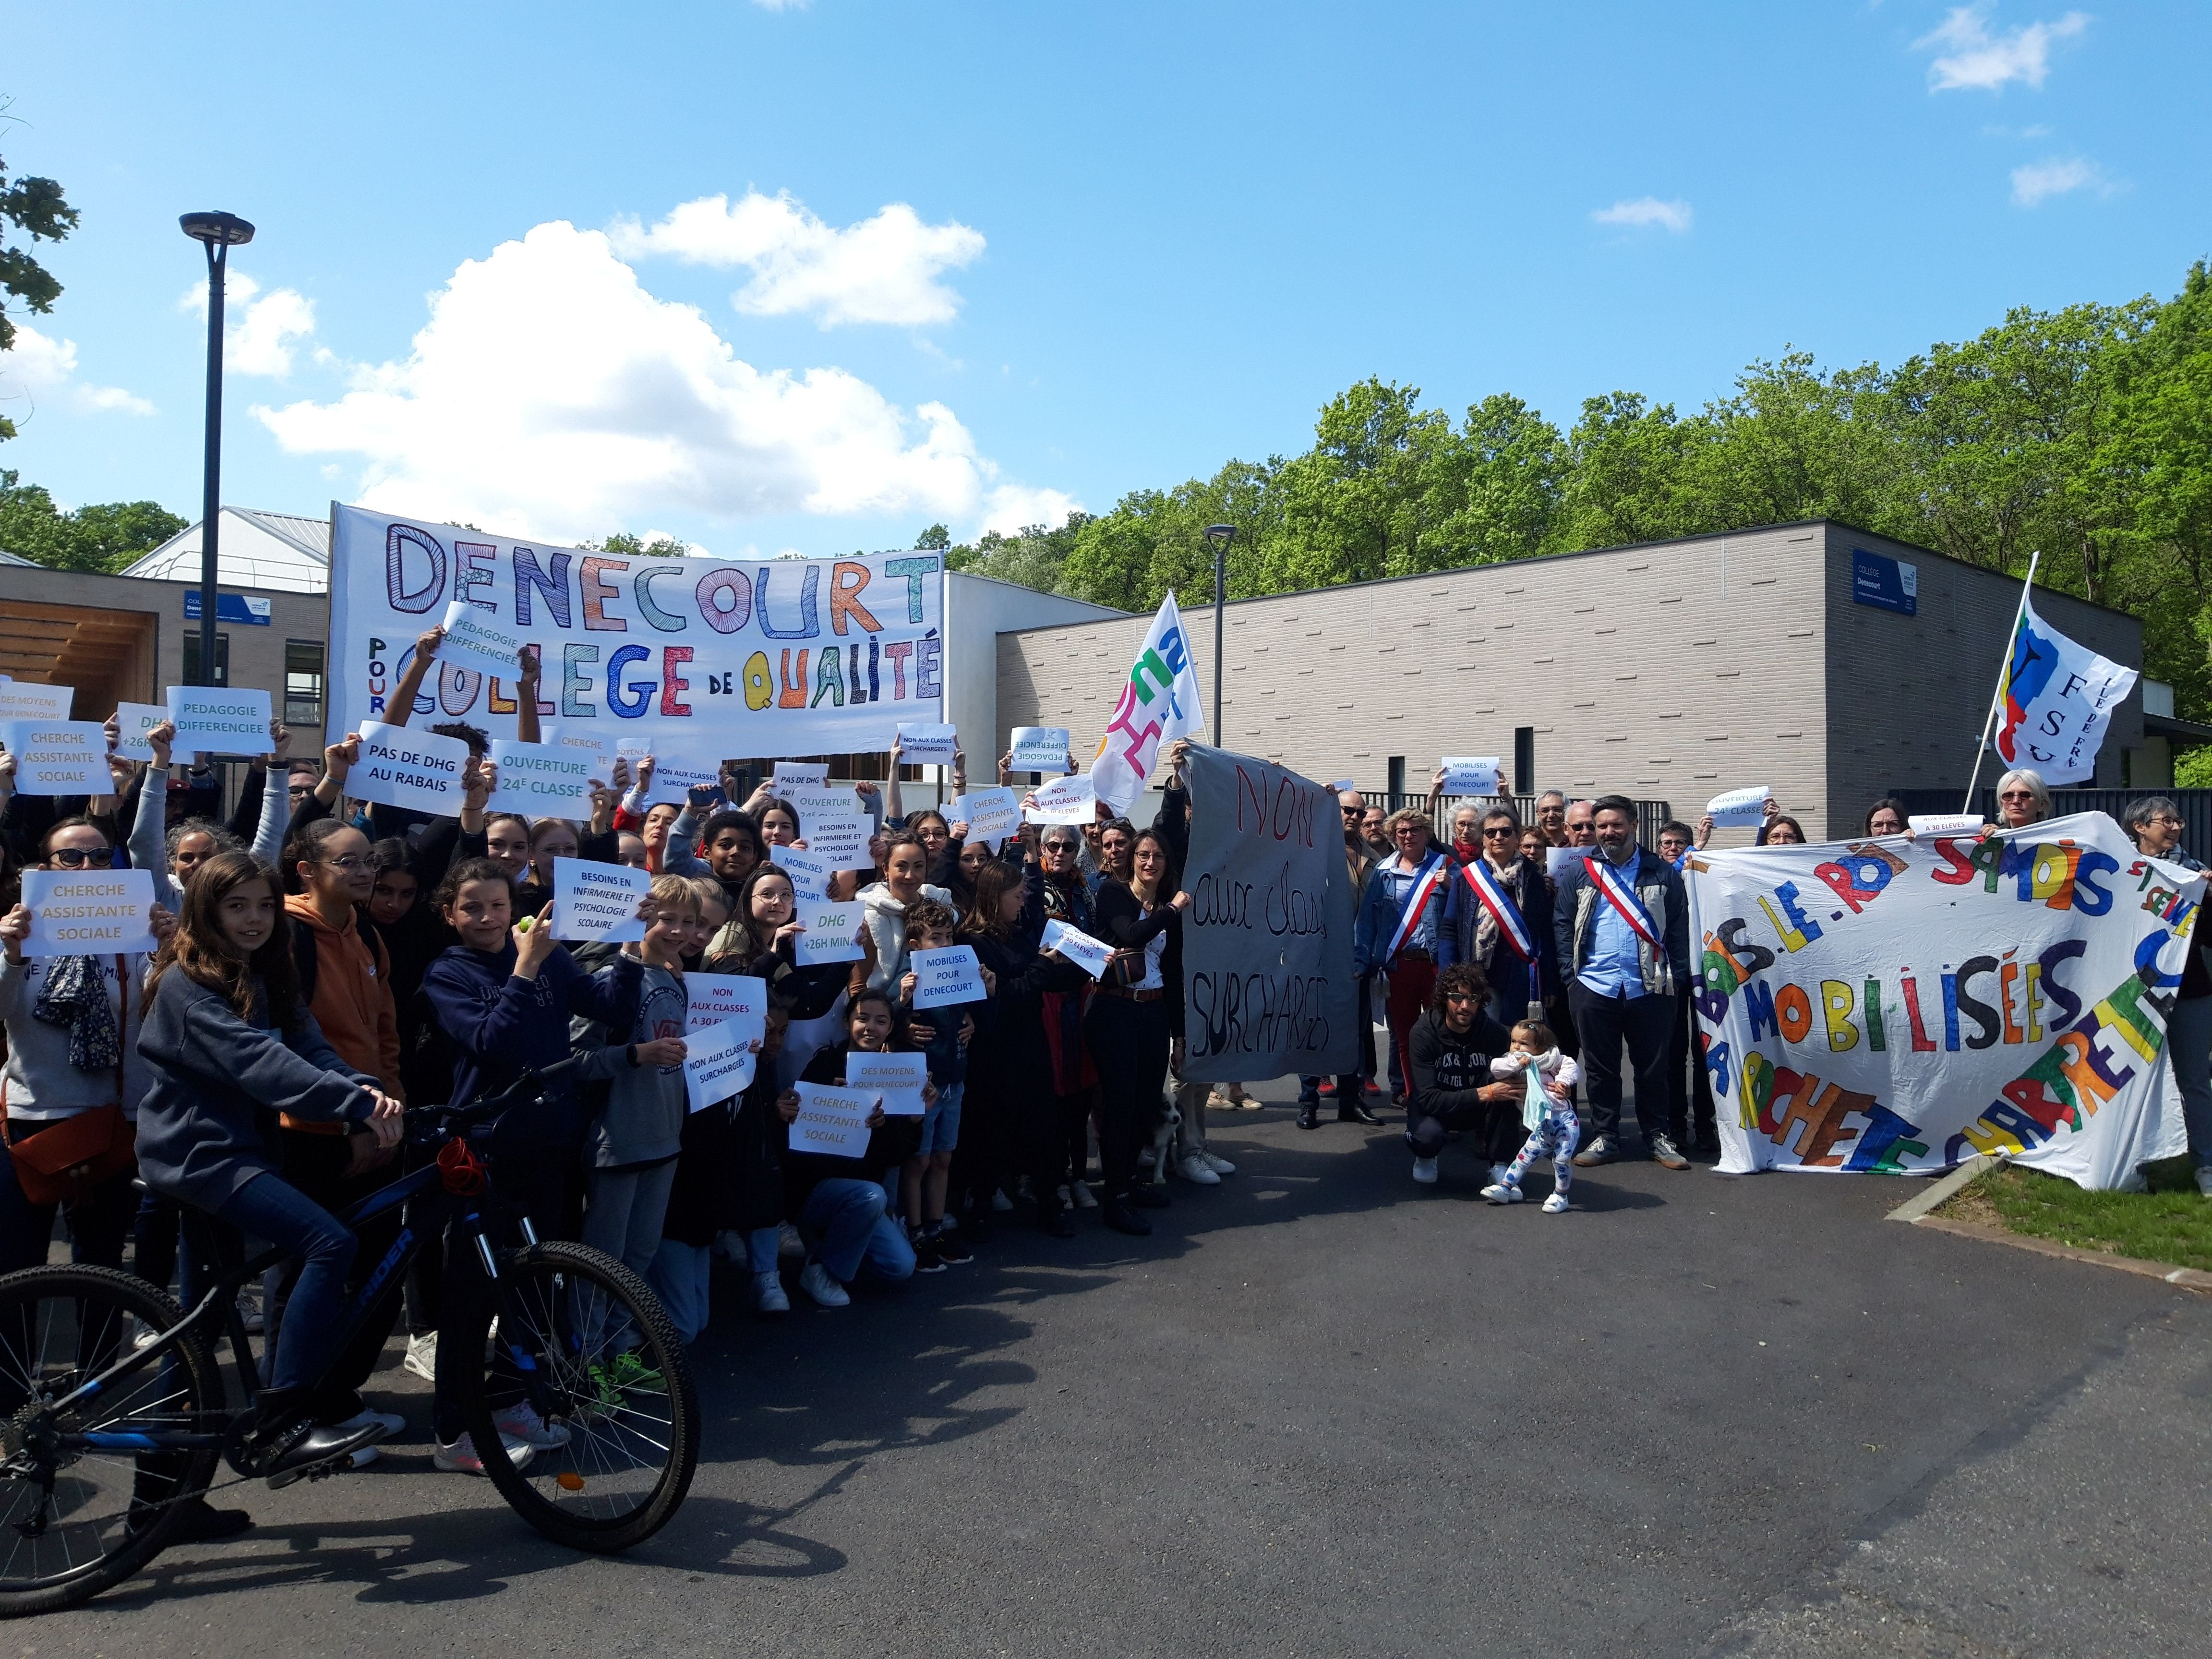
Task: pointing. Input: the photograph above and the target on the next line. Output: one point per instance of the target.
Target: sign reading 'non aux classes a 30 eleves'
(707, 658)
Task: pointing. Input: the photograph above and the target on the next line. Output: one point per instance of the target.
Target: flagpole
(2004, 669)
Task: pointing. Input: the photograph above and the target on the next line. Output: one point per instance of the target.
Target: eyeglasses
(2015, 795)
(349, 863)
(73, 858)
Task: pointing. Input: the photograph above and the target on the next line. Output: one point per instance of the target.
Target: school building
(1827, 663)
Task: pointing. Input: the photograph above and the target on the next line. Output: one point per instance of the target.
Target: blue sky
(1029, 255)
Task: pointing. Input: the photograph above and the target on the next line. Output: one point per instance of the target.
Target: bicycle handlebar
(490, 1106)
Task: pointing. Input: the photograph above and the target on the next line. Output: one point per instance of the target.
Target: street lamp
(218, 232)
(1220, 535)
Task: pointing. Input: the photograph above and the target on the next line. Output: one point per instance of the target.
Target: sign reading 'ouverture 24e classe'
(705, 658)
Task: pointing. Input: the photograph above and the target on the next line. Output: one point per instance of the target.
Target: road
(1324, 1411)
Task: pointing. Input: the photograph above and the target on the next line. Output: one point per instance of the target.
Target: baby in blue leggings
(1547, 1112)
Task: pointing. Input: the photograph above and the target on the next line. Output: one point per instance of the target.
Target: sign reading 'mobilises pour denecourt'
(707, 657)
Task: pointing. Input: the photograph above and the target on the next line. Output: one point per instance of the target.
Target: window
(1397, 781)
(303, 684)
(1524, 760)
(192, 658)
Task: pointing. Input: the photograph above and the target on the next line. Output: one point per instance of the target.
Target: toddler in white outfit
(1551, 1121)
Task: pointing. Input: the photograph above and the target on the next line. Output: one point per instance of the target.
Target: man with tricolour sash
(1505, 920)
(1407, 925)
(1621, 926)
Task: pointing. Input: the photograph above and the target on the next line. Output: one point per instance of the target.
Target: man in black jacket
(1450, 1049)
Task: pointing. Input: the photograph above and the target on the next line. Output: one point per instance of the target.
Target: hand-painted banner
(714, 658)
(1901, 1004)
(1267, 942)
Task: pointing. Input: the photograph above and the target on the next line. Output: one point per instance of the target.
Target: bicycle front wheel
(87, 1495)
(585, 1343)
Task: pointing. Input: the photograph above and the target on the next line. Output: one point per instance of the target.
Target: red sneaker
(1372, 1088)
(1327, 1088)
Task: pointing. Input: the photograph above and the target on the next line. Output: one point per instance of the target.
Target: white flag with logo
(1159, 704)
(2058, 702)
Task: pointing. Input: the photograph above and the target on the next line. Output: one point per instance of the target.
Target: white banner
(1091, 955)
(58, 758)
(88, 912)
(1039, 749)
(1470, 774)
(474, 640)
(991, 815)
(928, 742)
(1064, 800)
(943, 978)
(1739, 808)
(133, 720)
(220, 720)
(2058, 699)
(712, 998)
(841, 842)
(540, 780)
(1895, 1006)
(598, 901)
(420, 771)
(830, 1120)
(832, 932)
(762, 657)
(810, 871)
(898, 1079)
(719, 1062)
(25, 700)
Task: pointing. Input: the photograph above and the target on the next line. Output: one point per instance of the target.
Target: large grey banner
(1266, 943)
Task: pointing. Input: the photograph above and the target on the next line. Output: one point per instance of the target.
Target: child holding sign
(943, 1034)
(838, 1202)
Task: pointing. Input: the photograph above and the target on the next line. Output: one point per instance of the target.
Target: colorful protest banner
(897, 1079)
(713, 999)
(927, 743)
(133, 720)
(2057, 699)
(947, 976)
(1064, 800)
(26, 700)
(1040, 749)
(420, 771)
(1740, 808)
(541, 781)
(718, 1063)
(1159, 704)
(58, 758)
(1889, 1007)
(475, 640)
(88, 912)
(832, 932)
(598, 901)
(831, 1120)
(1470, 774)
(219, 719)
(1267, 942)
(773, 656)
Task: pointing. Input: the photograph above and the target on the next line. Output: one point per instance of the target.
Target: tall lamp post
(218, 232)
(1220, 535)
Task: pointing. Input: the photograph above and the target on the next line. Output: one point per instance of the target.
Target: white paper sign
(22, 700)
(420, 771)
(598, 901)
(1341, 785)
(1064, 800)
(831, 1121)
(1087, 953)
(1739, 806)
(475, 638)
(220, 719)
(1040, 749)
(928, 743)
(133, 720)
(799, 774)
(832, 932)
(944, 977)
(88, 912)
(540, 780)
(1470, 774)
(898, 1078)
(1558, 860)
(713, 999)
(810, 871)
(1945, 823)
(718, 1062)
(58, 758)
(841, 842)
(578, 737)
(674, 779)
(991, 815)
(811, 801)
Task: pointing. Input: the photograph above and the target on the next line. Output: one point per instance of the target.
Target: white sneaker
(1218, 1165)
(1556, 1205)
(788, 1240)
(249, 1310)
(148, 1334)
(1197, 1170)
(767, 1294)
(461, 1457)
(1498, 1173)
(521, 1421)
(818, 1283)
(1000, 1203)
(1424, 1171)
(392, 1422)
(1499, 1193)
(423, 1356)
(1085, 1198)
(2204, 1181)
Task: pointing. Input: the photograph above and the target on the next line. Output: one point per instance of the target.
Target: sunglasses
(1461, 996)
(73, 858)
(1487, 833)
(2015, 794)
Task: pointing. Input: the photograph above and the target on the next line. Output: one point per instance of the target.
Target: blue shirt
(1401, 884)
(1613, 968)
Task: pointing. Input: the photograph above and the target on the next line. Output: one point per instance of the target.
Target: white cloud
(883, 270)
(1975, 59)
(551, 394)
(1012, 508)
(2042, 179)
(1646, 210)
(39, 365)
(257, 329)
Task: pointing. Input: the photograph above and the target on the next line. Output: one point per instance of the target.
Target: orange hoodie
(352, 1001)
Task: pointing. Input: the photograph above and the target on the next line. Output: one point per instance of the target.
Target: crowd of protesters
(322, 963)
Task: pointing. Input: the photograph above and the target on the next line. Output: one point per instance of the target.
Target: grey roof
(6, 557)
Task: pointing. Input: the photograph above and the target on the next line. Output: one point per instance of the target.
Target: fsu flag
(1159, 703)
(2057, 699)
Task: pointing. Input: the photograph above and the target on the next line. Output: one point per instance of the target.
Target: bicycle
(104, 1434)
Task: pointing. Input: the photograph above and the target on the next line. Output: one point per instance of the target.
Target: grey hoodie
(642, 1121)
(886, 922)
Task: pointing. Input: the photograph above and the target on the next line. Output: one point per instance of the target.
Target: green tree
(102, 538)
(35, 207)
(935, 539)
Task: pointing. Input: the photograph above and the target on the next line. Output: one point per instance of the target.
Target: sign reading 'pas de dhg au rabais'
(707, 656)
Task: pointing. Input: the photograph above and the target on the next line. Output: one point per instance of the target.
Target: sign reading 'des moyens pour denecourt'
(705, 658)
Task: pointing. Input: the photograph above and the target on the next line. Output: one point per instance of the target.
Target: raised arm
(276, 796)
(525, 697)
(400, 707)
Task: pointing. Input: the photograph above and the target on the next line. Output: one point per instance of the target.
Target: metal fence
(1649, 814)
(2196, 808)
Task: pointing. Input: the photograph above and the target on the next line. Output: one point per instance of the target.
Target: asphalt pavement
(1324, 1410)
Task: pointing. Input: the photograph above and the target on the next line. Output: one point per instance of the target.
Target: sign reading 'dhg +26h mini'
(1885, 583)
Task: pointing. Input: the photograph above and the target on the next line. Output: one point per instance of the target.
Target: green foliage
(2085, 433)
(1035, 556)
(35, 207)
(105, 537)
(625, 545)
(935, 539)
